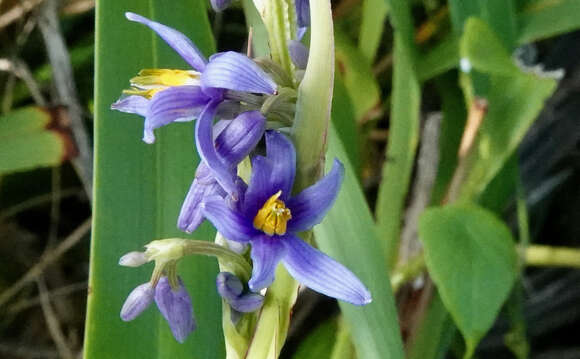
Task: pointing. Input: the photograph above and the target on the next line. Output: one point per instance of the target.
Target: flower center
(273, 216)
(151, 81)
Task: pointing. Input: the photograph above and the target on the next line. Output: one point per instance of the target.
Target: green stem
(534, 256)
(239, 265)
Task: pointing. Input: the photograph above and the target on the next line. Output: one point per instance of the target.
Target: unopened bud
(133, 259)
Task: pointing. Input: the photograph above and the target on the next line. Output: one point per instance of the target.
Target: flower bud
(133, 259)
(175, 305)
(137, 301)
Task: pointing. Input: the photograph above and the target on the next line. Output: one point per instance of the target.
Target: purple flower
(164, 96)
(174, 305)
(302, 13)
(268, 217)
(232, 290)
(298, 53)
(234, 141)
(220, 5)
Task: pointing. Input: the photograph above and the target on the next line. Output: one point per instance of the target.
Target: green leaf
(442, 58)
(403, 139)
(500, 15)
(374, 15)
(515, 98)
(357, 75)
(27, 142)
(452, 124)
(348, 235)
(139, 189)
(541, 19)
(260, 34)
(433, 338)
(319, 343)
(471, 257)
(345, 123)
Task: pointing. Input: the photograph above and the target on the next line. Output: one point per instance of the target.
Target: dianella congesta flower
(164, 96)
(268, 217)
(234, 141)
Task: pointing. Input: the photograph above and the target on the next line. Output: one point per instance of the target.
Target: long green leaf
(545, 18)
(348, 235)
(374, 14)
(139, 189)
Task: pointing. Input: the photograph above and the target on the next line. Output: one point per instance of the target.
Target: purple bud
(298, 53)
(228, 285)
(137, 301)
(220, 5)
(175, 305)
(247, 303)
(303, 12)
(231, 289)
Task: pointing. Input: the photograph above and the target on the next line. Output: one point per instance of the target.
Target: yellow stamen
(149, 78)
(273, 216)
(145, 93)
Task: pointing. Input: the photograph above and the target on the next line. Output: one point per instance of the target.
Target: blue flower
(232, 290)
(268, 217)
(234, 141)
(164, 96)
(173, 303)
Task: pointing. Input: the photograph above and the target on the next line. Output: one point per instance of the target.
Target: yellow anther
(150, 78)
(145, 93)
(273, 216)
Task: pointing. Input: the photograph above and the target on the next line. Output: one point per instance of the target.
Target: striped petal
(323, 274)
(310, 206)
(178, 41)
(266, 254)
(234, 71)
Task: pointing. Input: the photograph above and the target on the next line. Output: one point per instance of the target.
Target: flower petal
(137, 301)
(266, 253)
(310, 206)
(323, 274)
(191, 216)
(234, 71)
(247, 303)
(240, 137)
(175, 305)
(132, 104)
(228, 285)
(282, 155)
(207, 151)
(298, 53)
(173, 104)
(303, 13)
(259, 189)
(220, 5)
(230, 224)
(178, 41)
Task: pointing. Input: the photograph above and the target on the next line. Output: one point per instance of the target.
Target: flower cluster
(239, 107)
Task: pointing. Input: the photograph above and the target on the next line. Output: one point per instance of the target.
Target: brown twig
(31, 302)
(45, 260)
(52, 321)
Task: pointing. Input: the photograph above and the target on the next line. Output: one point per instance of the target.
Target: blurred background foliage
(46, 121)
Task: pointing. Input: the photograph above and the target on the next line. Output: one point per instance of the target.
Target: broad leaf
(471, 257)
(540, 19)
(28, 142)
